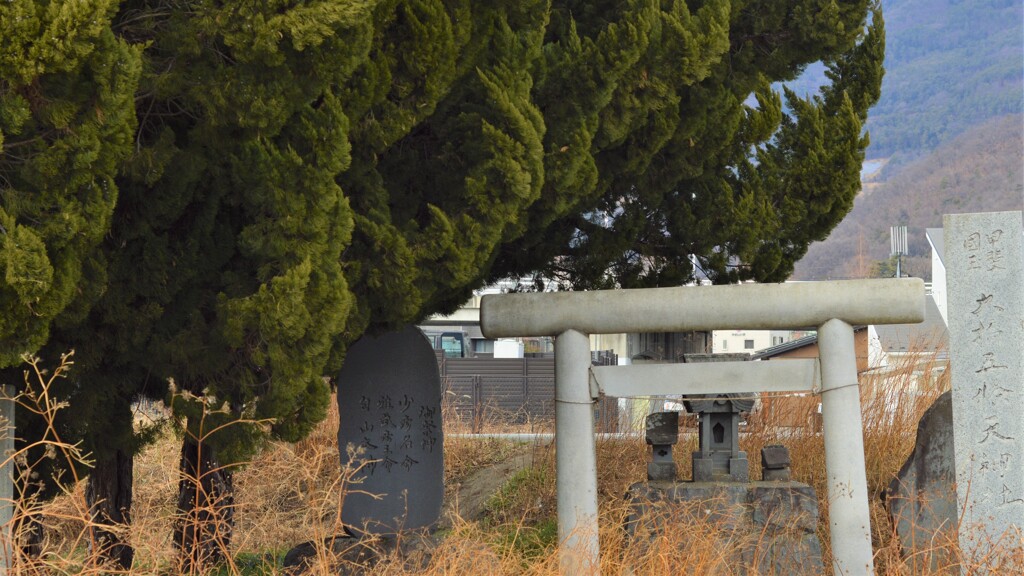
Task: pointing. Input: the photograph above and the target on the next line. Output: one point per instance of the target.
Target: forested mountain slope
(950, 64)
(948, 123)
(979, 171)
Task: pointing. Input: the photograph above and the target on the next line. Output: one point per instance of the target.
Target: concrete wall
(509, 391)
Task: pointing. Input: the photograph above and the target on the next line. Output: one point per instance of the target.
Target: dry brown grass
(293, 493)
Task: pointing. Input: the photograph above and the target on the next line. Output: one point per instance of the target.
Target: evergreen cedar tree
(67, 119)
(68, 84)
(302, 173)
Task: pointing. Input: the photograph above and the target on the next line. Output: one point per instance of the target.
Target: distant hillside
(950, 64)
(979, 171)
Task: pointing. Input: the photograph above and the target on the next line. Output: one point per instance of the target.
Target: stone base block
(775, 457)
(781, 475)
(703, 468)
(739, 469)
(662, 471)
(720, 468)
(753, 528)
(356, 556)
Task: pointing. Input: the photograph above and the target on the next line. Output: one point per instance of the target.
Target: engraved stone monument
(985, 292)
(389, 404)
(922, 497)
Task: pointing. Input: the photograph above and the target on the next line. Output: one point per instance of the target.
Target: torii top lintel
(745, 306)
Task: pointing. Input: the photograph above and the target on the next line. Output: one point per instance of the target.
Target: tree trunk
(109, 495)
(202, 531)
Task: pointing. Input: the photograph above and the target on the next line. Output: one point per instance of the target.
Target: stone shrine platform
(759, 527)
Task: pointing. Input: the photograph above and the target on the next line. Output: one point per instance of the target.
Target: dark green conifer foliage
(224, 261)
(742, 189)
(446, 160)
(226, 255)
(67, 117)
(304, 172)
(66, 122)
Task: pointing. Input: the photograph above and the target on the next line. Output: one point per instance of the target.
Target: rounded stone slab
(389, 404)
(662, 428)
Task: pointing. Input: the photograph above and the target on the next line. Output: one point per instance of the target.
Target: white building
(748, 341)
(934, 236)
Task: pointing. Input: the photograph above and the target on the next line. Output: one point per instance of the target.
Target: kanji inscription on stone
(985, 299)
(389, 404)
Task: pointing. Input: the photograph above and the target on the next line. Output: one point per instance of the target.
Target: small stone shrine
(766, 527)
(719, 456)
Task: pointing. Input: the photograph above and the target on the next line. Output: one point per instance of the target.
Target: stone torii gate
(832, 307)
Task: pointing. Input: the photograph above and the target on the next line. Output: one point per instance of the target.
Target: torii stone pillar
(7, 405)
(832, 307)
